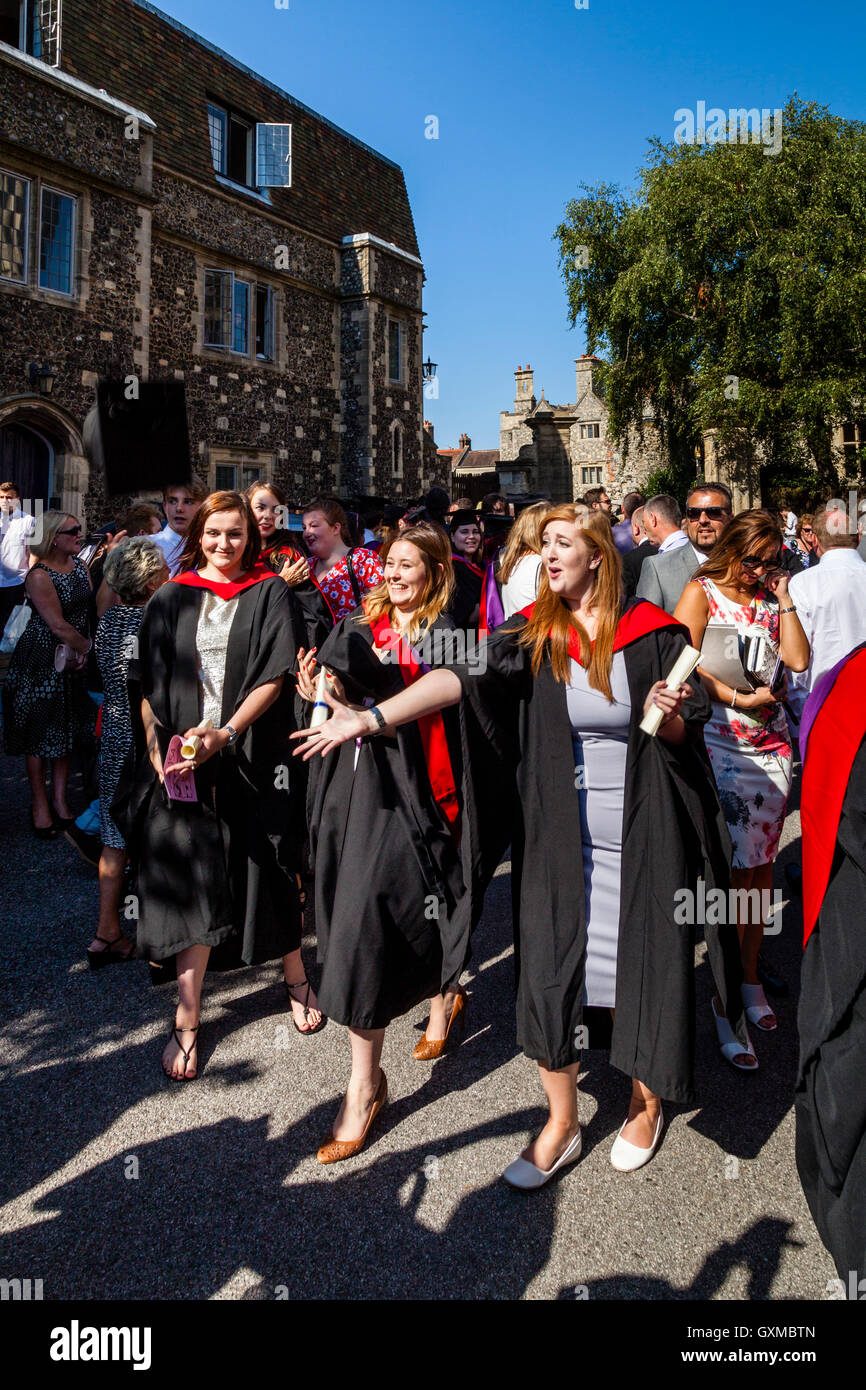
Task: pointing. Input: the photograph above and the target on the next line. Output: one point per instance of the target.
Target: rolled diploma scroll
(321, 709)
(682, 669)
(189, 748)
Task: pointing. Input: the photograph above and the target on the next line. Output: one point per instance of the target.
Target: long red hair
(547, 632)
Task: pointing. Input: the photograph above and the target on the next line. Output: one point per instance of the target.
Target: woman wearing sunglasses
(743, 586)
(47, 710)
(803, 546)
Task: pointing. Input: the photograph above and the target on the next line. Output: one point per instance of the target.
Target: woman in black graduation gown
(672, 832)
(383, 823)
(466, 548)
(218, 874)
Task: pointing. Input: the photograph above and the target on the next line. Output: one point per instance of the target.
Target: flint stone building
(561, 450)
(165, 213)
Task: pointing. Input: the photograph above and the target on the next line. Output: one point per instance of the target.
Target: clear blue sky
(533, 98)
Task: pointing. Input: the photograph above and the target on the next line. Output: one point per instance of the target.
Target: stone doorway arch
(62, 435)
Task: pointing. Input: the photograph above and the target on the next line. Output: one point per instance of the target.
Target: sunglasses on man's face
(711, 513)
(756, 562)
(70, 531)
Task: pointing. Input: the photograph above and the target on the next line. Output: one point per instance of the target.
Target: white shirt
(521, 588)
(673, 542)
(700, 555)
(16, 529)
(830, 599)
(791, 525)
(171, 544)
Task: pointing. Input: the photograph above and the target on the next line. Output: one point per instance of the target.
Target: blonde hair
(524, 538)
(434, 548)
(547, 632)
(51, 523)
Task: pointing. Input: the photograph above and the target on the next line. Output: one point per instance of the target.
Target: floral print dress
(750, 749)
(336, 583)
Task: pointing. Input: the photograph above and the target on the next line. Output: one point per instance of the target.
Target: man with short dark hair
(597, 500)
(662, 520)
(622, 532)
(663, 577)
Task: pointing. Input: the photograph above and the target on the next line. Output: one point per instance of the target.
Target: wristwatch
(232, 733)
(378, 716)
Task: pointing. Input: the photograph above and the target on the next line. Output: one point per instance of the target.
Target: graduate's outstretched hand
(343, 725)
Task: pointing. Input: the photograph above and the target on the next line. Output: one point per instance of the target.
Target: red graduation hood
(227, 590)
(639, 618)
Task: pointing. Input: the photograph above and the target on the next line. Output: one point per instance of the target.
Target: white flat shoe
(523, 1174)
(730, 1045)
(625, 1156)
(756, 1007)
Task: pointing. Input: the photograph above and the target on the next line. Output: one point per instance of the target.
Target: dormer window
(249, 153)
(33, 26)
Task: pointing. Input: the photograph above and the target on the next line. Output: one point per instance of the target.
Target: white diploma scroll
(321, 709)
(190, 746)
(682, 669)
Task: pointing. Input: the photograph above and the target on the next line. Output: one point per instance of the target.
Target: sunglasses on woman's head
(754, 562)
(712, 513)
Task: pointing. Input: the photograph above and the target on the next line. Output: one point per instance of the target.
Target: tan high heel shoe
(428, 1049)
(334, 1150)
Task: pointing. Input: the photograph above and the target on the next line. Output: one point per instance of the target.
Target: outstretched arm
(437, 690)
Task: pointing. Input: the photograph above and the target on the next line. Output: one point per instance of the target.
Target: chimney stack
(465, 441)
(428, 425)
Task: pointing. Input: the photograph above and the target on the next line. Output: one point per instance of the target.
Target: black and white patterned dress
(46, 713)
(116, 644)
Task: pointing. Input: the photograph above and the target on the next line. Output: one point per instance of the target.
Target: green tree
(729, 293)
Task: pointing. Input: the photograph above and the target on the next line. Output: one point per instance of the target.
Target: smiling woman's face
(405, 575)
(567, 558)
(223, 541)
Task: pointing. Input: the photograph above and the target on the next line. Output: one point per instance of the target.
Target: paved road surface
(118, 1184)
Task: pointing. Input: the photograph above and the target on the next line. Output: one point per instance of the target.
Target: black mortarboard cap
(464, 517)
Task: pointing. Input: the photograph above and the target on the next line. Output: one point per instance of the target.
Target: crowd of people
(269, 723)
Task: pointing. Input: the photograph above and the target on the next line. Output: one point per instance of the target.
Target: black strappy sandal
(304, 1032)
(185, 1053)
(97, 959)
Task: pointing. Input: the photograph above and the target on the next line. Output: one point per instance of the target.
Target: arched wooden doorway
(42, 452)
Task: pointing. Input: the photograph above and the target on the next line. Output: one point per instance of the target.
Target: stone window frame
(397, 460)
(595, 481)
(401, 349)
(238, 458)
(254, 280)
(29, 287)
(590, 430)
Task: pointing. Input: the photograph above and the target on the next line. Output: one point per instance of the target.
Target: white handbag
(15, 625)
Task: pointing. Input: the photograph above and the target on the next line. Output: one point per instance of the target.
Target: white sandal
(730, 1044)
(756, 1007)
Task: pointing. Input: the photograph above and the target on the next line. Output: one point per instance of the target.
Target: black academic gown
(218, 872)
(387, 869)
(466, 601)
(830, 1104)
(522, 788)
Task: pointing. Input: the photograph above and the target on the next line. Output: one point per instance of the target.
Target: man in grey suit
(664, 576)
